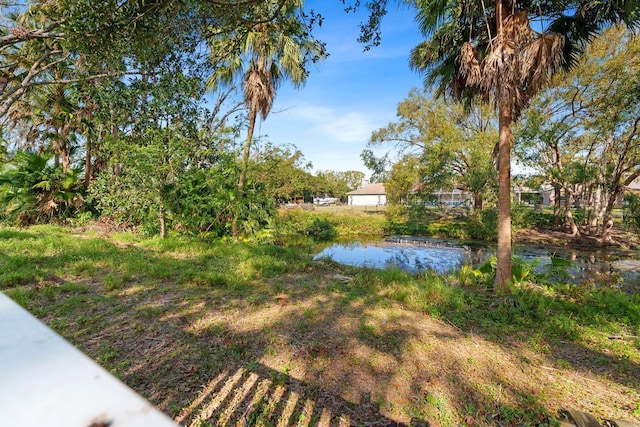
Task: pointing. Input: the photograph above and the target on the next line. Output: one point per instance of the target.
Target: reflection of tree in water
(601, 267)
(439, 259)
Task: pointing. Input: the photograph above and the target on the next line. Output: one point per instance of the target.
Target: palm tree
(492, 51)
(264, 56)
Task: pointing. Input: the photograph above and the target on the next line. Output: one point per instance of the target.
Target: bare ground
(311, 356)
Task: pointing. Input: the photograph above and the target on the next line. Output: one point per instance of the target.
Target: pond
(417, 255)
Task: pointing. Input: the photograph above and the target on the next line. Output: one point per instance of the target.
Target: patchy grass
(215, 332)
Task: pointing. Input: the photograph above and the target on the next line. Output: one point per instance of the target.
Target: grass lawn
(216, 333)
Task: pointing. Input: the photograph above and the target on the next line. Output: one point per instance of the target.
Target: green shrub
(483, 225)
(631, 212)
(33, 191)
(321, 229)
(326, 226)
(524, 216)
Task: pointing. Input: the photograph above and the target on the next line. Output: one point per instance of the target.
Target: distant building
(453, 197)
(369, 195)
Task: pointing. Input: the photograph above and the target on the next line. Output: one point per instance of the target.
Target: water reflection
(409, 255)
(421, 254)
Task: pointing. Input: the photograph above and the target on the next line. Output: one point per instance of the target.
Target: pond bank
(622, 239)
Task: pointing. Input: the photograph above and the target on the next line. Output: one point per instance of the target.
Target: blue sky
(350, 94)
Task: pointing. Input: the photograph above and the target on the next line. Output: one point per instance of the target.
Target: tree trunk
(503, 269)
(477, 202)
(247, 150)
(557, 195)
(253, 114)
(607, 226)
(64, 156)
(597, 211)
(607, 222)
(162, 221)
(567, 212)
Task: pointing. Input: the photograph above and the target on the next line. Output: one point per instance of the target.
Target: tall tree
(338, 184)
(284, 172)
(454, 146)
(263, 56)
(492, 51)
(588, 126)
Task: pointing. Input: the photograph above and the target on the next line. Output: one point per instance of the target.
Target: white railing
(45, 381)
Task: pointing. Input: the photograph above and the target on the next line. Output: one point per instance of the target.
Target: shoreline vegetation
(258, 333)
(345, 221)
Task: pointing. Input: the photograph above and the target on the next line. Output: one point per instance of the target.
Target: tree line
(81, 75)
(580, 137)
(134, 110)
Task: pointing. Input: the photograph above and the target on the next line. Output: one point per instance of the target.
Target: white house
(369, 195)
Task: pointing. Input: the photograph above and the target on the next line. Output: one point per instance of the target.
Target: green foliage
(170, 171)
(299, 222)
(283, 171)
(522, 272)
(337, 184)
(322, 230)
(524, 216)
(483, 225)
(631, 211)
(577, 134)
(32, 190)
(437, 222)
(435, 145)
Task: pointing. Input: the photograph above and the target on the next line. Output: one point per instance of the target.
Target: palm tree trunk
(253, 114)
(247, 150)
(503, 268)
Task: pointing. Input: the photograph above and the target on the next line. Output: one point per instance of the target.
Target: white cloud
(335, 125)
(352, 127)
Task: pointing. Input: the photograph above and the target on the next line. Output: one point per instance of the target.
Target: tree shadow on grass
(261, 395)
(204, 340)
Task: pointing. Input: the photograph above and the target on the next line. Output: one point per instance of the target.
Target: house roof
(368, 190)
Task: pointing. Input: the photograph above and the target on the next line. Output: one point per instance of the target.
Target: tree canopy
(450, 147)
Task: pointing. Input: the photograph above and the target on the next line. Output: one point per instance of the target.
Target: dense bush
(300, 222)
(321, 229)
(34, 190)
(524, 216)
(483, 225)
(200, 201)
(631, 212)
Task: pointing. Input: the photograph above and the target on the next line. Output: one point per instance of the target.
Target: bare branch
(16, 36)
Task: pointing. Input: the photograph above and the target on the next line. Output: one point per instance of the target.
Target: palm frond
(501, 70)
(259, 91)
(470, 69)
(432, 14)
(517, 29)
(501, 66)
(539, 60)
